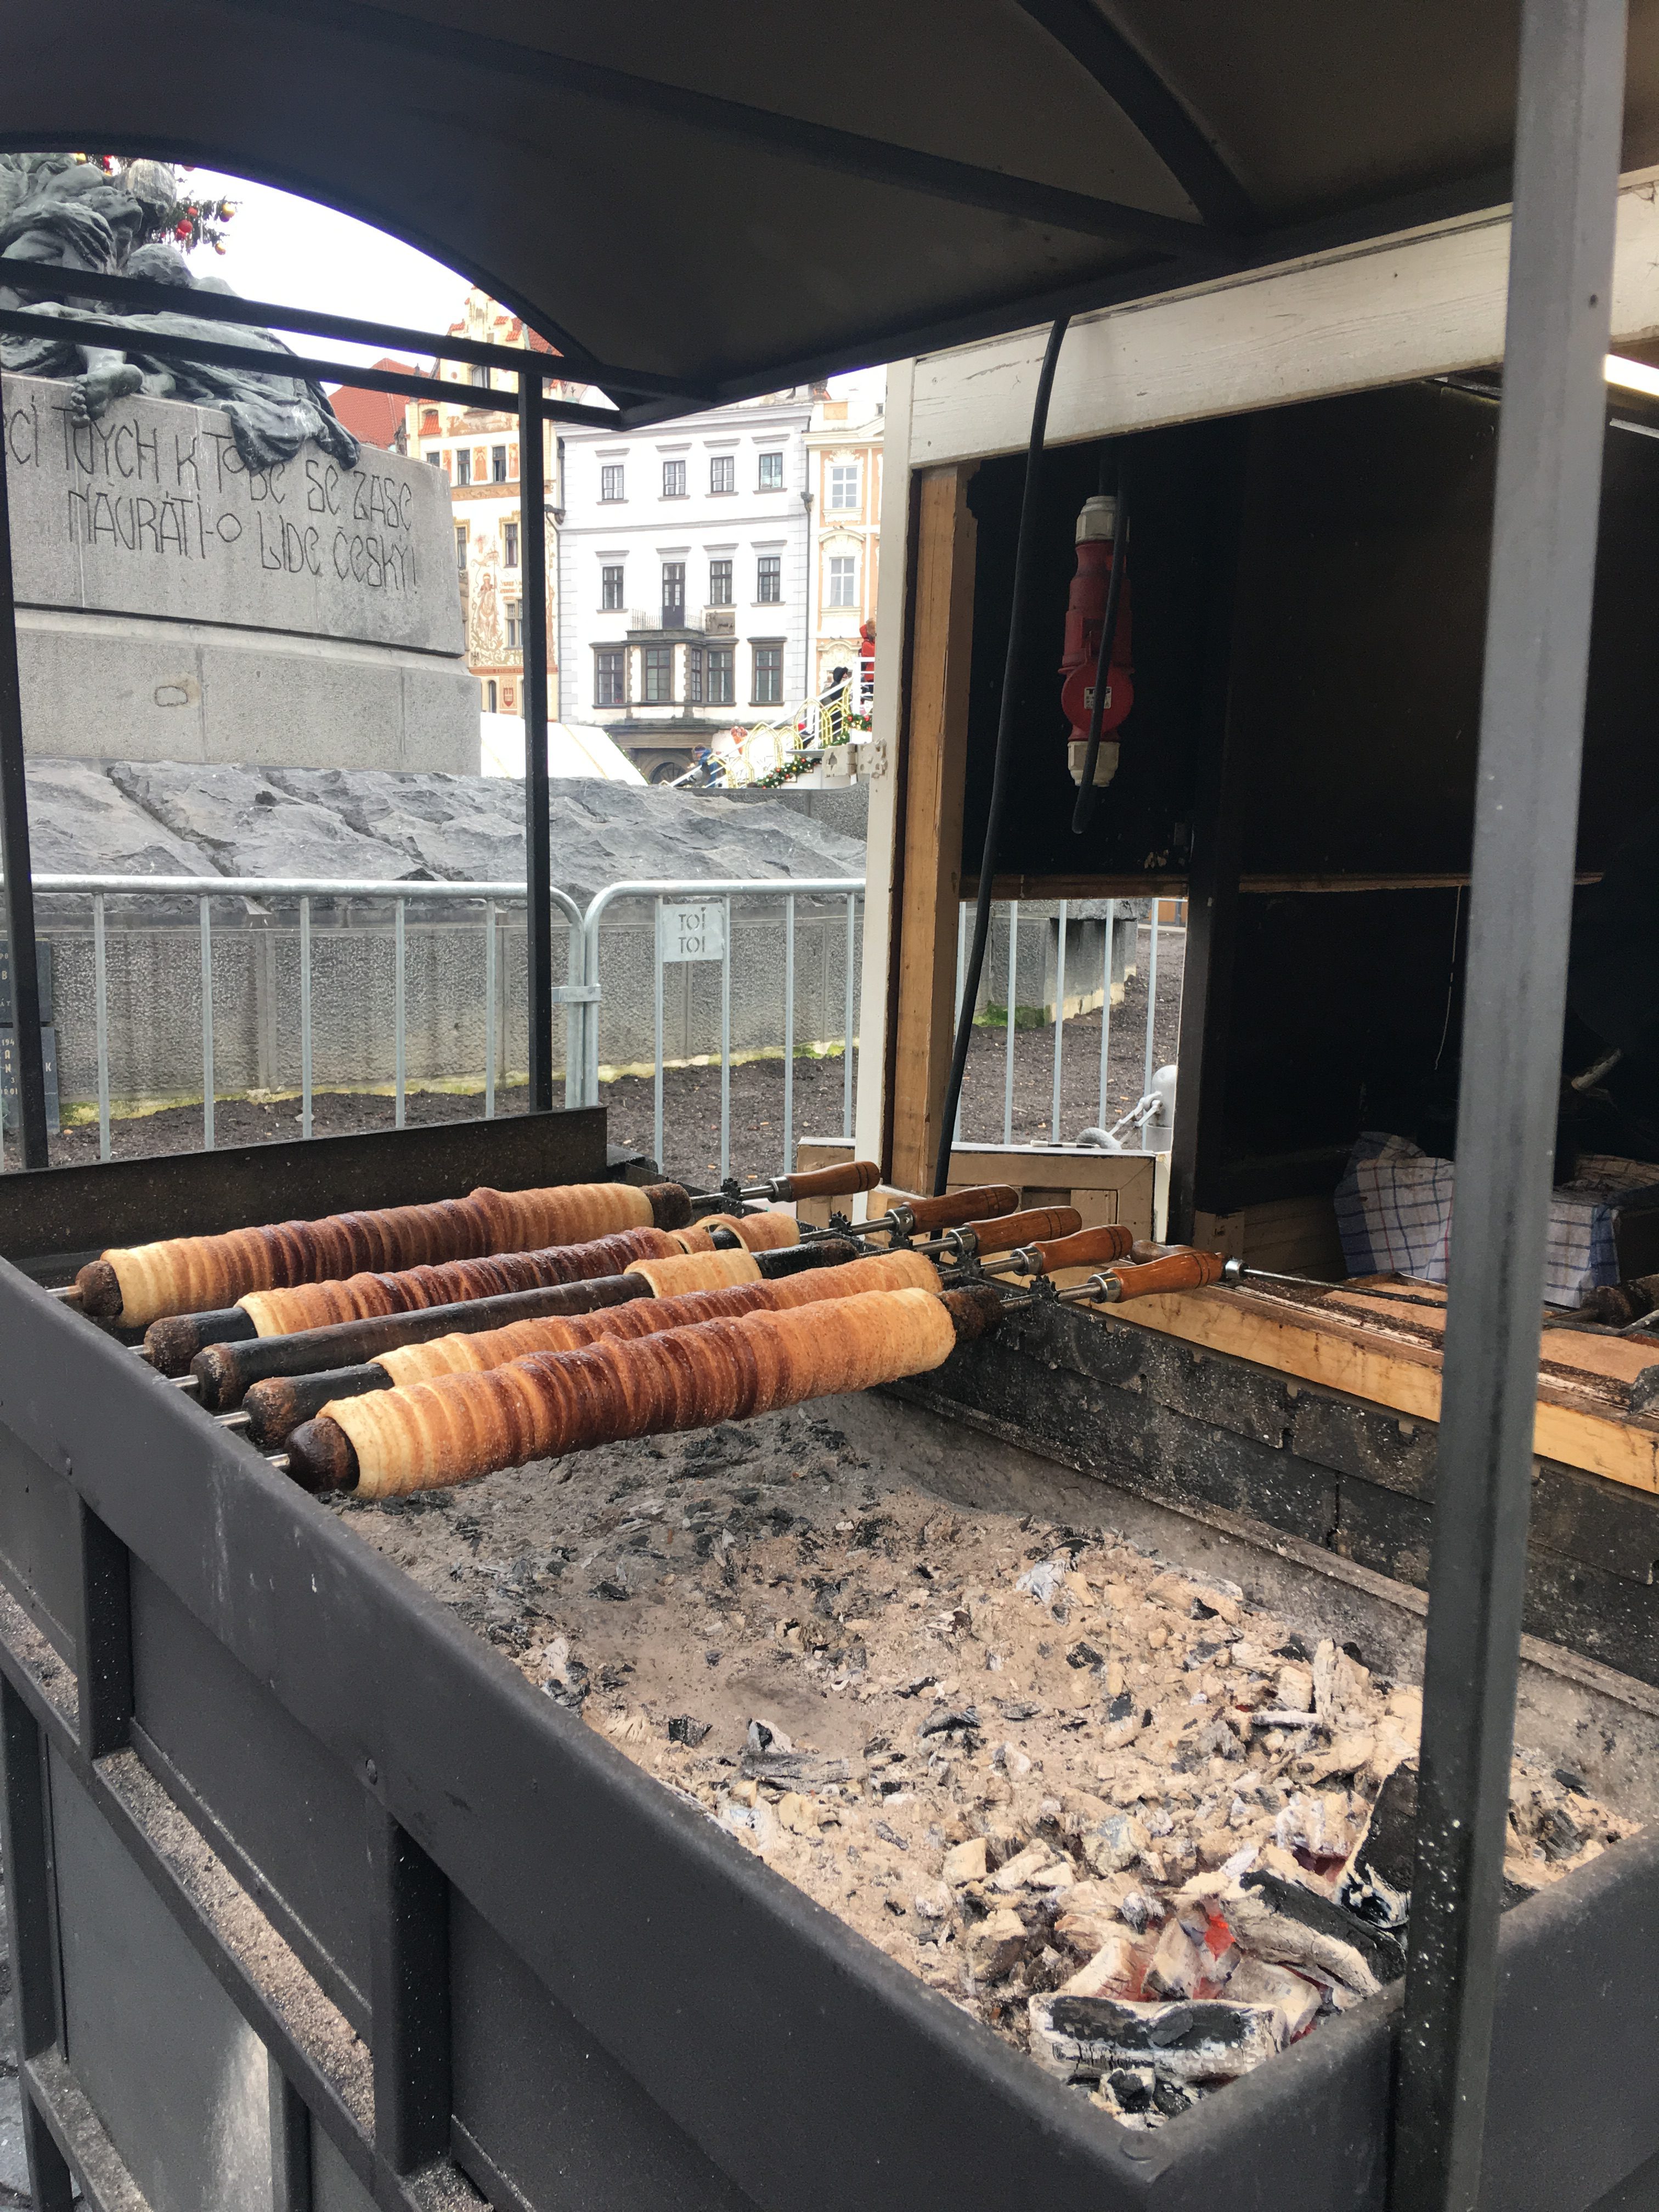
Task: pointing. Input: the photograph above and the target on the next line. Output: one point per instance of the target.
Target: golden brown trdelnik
(540, 1407)
(411, 1290)
(462, 1355)
(196, 1274)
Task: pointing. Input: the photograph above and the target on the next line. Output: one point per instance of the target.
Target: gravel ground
(691, 1096)
(1026, 1761)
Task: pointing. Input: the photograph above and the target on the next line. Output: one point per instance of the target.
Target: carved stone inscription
(151, 510)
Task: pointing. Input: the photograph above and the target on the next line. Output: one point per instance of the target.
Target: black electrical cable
(1016, 614)
(1083, 813)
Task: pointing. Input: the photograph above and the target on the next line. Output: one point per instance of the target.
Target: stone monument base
(96, 686)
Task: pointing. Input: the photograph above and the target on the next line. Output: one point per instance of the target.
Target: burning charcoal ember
(1253, 1981)
(1377, 1883)
(1178, 1964)
(1290, 1924)
(1081, 2038)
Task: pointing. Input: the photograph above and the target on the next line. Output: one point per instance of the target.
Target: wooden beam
(1575, 1426)
(932, 768)
(1428, 303)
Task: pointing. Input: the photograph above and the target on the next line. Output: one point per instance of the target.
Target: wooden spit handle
(1023, 1228)
(984, 1202)
(1090, 1248)
(1176, 1271)
(843, 1181)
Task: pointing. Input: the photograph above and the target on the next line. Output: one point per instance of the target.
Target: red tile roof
(375, 417)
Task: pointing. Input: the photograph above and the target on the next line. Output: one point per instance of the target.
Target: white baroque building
(684, 577)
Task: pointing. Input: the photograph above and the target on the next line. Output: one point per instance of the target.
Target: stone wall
(172, 604)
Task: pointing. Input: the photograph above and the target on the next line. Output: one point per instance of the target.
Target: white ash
(1094, 1802)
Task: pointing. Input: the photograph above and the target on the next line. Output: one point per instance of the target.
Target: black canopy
(736, 195)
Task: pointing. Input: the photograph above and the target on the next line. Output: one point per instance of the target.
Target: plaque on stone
(43, 971)
(11, 1100)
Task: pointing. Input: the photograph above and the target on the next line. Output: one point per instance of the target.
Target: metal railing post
(489, 1009)
(398, 1007)
(788, 1030)
(1059, 1024)
(207, 1028)
(1013, 992)
(1151, 1001)
(1106, 1007)
(100, 1006)
(725, 1045)
(305, 1017)
(962, 977)
(656, 969)
(847, 1051)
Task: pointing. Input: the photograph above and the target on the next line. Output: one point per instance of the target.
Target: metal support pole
(849, 974)
(656, 1008)
(1570, 112)
(539, 863)
(14, 858)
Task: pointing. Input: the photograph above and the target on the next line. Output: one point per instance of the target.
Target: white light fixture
(1632, 375)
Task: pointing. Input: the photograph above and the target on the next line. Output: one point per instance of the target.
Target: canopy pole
(1569, 117)
(532, 630)
(15, 855)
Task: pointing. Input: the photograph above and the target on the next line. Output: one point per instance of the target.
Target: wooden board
(932, 755)
(1366, 1357)
(1424, 305)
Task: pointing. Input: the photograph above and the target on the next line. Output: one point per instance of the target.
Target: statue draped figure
(64, 215)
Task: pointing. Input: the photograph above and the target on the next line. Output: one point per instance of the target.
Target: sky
(296, 251)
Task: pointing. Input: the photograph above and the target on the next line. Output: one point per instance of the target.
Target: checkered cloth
(1393, 1209)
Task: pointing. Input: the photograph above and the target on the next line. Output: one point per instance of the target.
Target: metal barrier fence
(691, 927)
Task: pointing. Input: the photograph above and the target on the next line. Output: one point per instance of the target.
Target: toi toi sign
(690, 933)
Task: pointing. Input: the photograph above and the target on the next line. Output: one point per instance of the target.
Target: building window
(721, 661)
(693, 675)
(498, 464)
(611, 585)
(514, 625)
(510, 545)
(844, 485)
(463, 464)
(771, 471)
(658, 671)
(719, 583)
(723, 472)
(673, 479)
(478, 374)
(673, 594)
(843, 582)
(489, 695)
(432, 454)
(460, 546)
(768, 676)
(608, 675)
(769, 578)
(610, 480)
